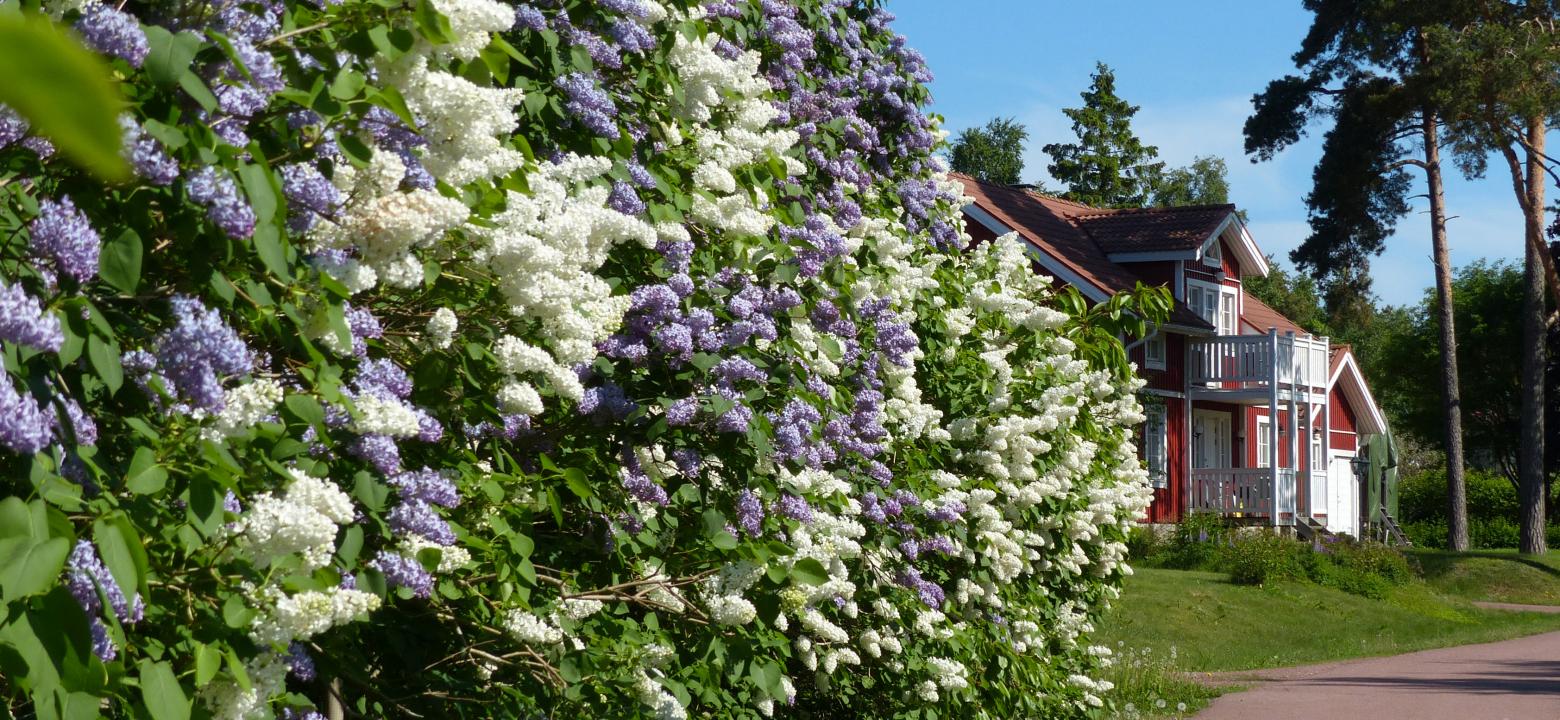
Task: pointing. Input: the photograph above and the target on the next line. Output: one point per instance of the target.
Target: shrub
(584, 359)
(1364, 568)
(1194, 544)
(1262, 556)
(1422, 496)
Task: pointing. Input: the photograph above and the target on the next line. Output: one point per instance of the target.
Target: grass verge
(1493, 575)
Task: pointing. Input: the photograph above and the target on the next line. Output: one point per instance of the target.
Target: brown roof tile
(1261, 317)
(1050, 223)
(1154, 229)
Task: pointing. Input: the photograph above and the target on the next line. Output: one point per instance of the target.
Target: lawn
(1494, 575)
(1213, 624)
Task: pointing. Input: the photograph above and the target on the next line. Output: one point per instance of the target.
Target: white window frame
(1264, 441)
(1214, 257)
(1318, 454)
(1217, 303)
(1156, 445)
(1154, 351)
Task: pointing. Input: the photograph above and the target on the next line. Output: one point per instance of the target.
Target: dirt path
(1513, 680)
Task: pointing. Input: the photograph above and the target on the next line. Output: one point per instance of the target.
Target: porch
(1258, 369)
(1264, 494)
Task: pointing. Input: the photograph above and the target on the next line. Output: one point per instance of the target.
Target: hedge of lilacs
(573, 359)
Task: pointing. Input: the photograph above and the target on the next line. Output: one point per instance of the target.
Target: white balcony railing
(1247, 492)
(1256, 361)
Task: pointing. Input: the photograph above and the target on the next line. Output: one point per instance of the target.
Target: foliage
(42, 61)
(621, 359)
(1488, 327)
(1204, 182)
(1261, 557)
(994, 153)
(1293, 295)
(1108, 166)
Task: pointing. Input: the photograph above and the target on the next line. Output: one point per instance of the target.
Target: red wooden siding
(1343, 427)
(1168, 501)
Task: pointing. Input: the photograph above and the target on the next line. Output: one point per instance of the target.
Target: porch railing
(1251, 361)
(1246, 492)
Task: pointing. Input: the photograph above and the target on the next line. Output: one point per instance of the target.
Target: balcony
(1259, 369)
(1262, 494)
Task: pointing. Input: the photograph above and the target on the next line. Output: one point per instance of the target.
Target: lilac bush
(614, 359)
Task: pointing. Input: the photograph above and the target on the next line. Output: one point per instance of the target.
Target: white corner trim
(1361, 391)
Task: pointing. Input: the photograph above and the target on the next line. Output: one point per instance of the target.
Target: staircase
(1391, 533)
(1308, 528)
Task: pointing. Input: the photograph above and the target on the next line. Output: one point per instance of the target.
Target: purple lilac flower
(624, 199)
(738, 418)
(601, 52)
(795, 508)
(310, 195)
(938, 544)
(24, 321)
(589, 104)
(949, 512)
(606, 400)
(39, 145)
(197, 351)
(244, 96)
(688, 461)
(429, 486)
(147, 156)
(402, 571)
(529, 18)
(418, 518)
(639, 484)
(382, 378)
(682, 412)
(251, 20)
(299, 662)
(224, 205)
(641, 176)
(722, 8)
(631, 36)
(378, 451)
(734, 369)
(84, 427)
(233, 132)
(86, 577)
(750, 513)
(388, 131)
(12, 126)
(113, 32)
(930, 593)
(290, 713)
(25, 427)
(62, 234)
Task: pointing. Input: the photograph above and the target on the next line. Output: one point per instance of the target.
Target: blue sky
(1192, 67)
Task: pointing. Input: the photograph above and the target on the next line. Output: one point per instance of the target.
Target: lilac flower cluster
(814, 243)
(638, 483)
(589, 104)
(25, 427)
(300, 663)
(62, 235)
(24, 321)
(86, 577)
(529, 18)
(113, 32)
(216, 191)
(147, 156)
(13, 127)
(750, 513)
(310, 196)
(415, 518)
(390, 133)
(198, 351)
(402, 571)
(625, 199)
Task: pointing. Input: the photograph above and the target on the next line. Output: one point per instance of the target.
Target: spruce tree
(1108, 166)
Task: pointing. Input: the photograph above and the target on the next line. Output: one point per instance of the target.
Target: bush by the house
(1261, 557)
(457, 358)
(1492, 505)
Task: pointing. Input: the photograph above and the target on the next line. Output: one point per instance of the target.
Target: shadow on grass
(1445, 561)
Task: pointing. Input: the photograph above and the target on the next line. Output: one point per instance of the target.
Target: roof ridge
(1112, 212)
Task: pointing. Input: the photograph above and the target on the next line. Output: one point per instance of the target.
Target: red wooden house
(1248, 414)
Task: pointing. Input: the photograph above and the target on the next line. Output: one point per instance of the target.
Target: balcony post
(1273, 419)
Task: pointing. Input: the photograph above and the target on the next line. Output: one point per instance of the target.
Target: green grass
(1215, 625)
(1493, 575)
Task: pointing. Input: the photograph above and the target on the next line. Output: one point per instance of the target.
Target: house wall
(1236, 452)
(1343, 422)
(1173, 377)
(1250, 443)
(1168, 501)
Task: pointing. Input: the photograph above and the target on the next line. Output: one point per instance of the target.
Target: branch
(1406, 162)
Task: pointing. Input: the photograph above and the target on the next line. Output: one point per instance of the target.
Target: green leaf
(262, 194)
(145, 475)
(30, 560)
(120, 263)
(104, 355)
(347, 85)
(575, 479)
(208, 660)
(306, 409)
(160, 690)
(236, 613)
(119, 546)
(197, 90)
(810, 571)
(65, 91)
(170, 54)
(272, 250)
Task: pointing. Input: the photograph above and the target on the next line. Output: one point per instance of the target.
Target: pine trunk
(1456, 483)
(1530, 454)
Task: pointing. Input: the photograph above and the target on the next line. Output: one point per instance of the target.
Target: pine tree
(1108, 166)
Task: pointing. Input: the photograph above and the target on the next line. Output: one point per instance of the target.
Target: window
(1155, 444)
(1213, 256)
(1154, 352)
(1214, 303)
(1317, 462)
(1264, 442)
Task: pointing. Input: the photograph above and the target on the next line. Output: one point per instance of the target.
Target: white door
(1343, 496)
(1210, 439)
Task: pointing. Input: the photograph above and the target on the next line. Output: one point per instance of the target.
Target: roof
(1155, 229)
(1350, 381)
(1261, 317)
(1056, 227)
